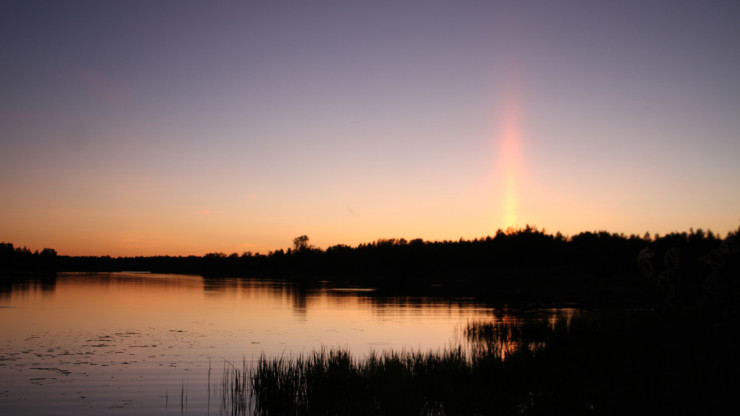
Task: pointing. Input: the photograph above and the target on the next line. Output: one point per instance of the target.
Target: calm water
(122, 343)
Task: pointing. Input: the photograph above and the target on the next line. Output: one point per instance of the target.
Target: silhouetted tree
(300, 243)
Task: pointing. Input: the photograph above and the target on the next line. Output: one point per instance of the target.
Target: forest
(523, 266)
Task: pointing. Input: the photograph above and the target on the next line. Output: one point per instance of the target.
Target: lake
(122, 343)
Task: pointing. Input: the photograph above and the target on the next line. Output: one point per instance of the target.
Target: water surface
(118, 343)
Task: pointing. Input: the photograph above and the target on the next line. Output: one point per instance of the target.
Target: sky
(178, 128)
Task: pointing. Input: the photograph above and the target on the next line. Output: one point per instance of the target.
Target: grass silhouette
(615, 362)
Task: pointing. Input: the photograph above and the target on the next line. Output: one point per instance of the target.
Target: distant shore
(522, 267)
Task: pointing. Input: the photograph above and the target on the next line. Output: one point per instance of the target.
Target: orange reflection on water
(114, 337)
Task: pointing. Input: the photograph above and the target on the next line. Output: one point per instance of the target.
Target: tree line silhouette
(22, 259)
(528, 260)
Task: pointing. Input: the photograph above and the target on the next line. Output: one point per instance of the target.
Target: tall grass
(463, 379)
(331, 382)
(236, 390)
(606, 363)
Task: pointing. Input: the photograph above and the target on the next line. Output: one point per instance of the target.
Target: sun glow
(509, 162)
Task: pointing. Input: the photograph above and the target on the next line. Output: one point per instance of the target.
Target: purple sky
(181, 127)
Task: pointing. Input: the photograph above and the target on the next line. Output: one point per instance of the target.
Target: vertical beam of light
(509, 162)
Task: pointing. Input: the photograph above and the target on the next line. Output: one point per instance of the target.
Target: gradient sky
(153, 127)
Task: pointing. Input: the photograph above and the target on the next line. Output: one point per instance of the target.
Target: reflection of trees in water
(303, 297)
(297, 295)
(163, 281)
(511, 331)
(221, 286)
(20, 285)
(48, 282)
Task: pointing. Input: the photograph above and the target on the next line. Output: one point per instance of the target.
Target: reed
(607, 363)
(236, 389)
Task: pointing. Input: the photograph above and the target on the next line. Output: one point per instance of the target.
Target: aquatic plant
(614, 362)
(236, 389)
